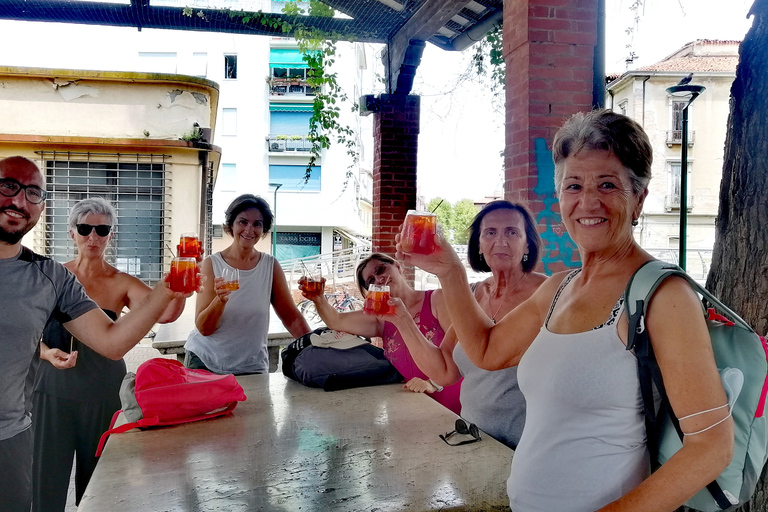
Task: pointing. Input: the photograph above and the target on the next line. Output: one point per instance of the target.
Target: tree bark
(739, 272)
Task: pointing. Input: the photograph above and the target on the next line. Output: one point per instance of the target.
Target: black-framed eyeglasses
(464, 428)
(101, 230)
(9, 187)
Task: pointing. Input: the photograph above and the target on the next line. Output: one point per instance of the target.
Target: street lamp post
(693, 92)
(274, 221)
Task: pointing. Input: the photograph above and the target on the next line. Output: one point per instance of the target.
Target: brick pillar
(395, 134)
(549, 48)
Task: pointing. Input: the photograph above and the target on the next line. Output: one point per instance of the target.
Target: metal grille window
(137, 186)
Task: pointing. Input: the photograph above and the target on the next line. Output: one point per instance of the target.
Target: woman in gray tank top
(232, 325)
(583, 446)
(503, 240)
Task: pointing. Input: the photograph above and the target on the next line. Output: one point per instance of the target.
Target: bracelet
(436, 385)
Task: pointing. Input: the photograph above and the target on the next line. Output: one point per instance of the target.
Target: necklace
(503, 299)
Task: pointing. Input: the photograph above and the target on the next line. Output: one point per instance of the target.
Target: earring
(635, 222)
(482, 258)
(525, 257)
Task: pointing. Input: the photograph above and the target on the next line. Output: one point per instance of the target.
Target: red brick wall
(548, 49)
(395, 133)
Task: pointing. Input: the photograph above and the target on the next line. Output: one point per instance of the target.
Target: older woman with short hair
(76, 389)
(232, 326)
(584, 445)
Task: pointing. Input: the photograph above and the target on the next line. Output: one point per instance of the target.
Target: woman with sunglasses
(426, 308)
(76, 389)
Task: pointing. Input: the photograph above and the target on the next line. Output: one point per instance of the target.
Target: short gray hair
(91, 206)
(604, 130)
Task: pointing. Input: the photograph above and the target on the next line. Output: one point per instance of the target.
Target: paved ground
(140, 353)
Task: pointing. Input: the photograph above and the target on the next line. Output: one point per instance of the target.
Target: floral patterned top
(397, 352)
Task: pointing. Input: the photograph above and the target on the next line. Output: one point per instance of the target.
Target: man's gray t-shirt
(32, 289)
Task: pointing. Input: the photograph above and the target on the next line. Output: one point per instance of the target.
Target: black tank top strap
(560, 289)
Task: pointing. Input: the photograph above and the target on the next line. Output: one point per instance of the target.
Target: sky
(461, 133)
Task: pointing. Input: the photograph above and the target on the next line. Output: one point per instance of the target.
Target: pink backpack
(164, 392)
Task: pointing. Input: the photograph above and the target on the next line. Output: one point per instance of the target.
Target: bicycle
(342, 301)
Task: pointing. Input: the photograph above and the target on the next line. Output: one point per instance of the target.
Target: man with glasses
(35, 288)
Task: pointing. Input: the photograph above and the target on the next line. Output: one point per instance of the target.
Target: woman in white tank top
(232, 326)
(583, 445)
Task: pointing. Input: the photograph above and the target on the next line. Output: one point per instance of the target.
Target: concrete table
(293, 448)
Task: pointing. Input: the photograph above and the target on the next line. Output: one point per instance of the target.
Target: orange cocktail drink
(419, 232)
(189, 246)
(183, 275)
(232, 285)
(313, 285)
(377, 301)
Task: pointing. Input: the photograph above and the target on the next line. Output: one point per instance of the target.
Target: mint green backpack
(742, 359)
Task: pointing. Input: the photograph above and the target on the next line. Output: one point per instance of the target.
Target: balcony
(290, 87)
(288, 143)
(672, 202)
(675, 137)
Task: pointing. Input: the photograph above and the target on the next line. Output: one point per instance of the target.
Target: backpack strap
(642, 285)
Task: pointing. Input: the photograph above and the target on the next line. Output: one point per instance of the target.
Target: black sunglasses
(463, 428)
(9, 187)
(101, 229)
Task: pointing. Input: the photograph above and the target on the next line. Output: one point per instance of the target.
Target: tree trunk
(739, 273)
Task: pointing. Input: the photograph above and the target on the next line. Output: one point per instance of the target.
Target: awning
(286, 58)
(290, 107)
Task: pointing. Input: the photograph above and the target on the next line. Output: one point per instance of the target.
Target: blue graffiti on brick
(555, 237)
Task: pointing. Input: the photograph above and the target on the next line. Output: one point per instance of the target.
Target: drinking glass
(377, 300)
(183, 275)
(189, 246)
(231, 278)
(419, 232)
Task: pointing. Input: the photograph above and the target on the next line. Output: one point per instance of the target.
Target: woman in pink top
(427, 308)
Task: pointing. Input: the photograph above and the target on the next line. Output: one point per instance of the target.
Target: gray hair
(604, 130)
(91, 206)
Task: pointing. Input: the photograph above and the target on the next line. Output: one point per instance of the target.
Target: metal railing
(288, 143)
(698, 261)
(676, 137)
(337, 267)
(672, 202)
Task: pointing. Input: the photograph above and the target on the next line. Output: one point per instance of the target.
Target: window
(674, 186)
(677, 114)
(292, 177)
(227, 180)
(623, 107)
(229, 121)
(157, 62)
(230, 67)
(136, 188)
(290, 245)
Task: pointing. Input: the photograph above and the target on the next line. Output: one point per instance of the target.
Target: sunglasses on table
(101, 230)
(464, 428)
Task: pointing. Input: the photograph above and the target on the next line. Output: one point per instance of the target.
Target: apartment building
(642, 95)
(261, 120)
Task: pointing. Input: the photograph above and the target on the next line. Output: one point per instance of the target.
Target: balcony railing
(289, 87)
(672, 202)
(292, 143)
(676, 137)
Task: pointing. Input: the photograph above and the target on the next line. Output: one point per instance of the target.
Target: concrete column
(395, 133)
(549, 49)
